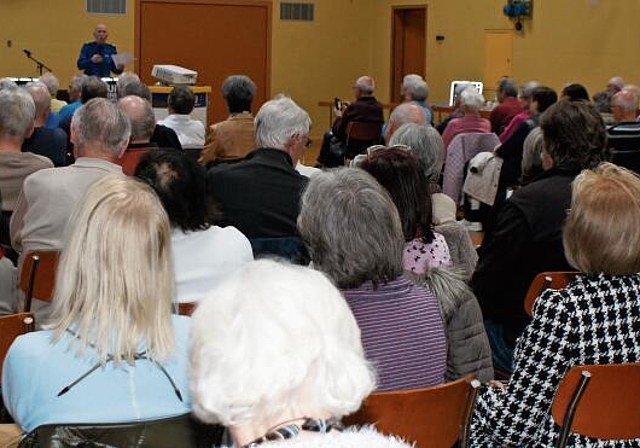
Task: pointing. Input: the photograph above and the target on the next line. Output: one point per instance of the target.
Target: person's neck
(40, 121)
(10, 144)
(94, 154)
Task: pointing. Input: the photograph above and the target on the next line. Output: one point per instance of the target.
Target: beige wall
(566, 40)
(54, 31)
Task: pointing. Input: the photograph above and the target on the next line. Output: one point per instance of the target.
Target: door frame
(393, 81)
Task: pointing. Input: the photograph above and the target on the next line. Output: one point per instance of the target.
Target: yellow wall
(566, 40)
(54, 31)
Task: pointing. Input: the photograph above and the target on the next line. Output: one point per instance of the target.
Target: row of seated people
(230, 186)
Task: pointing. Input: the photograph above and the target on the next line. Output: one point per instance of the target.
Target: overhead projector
(174, 74)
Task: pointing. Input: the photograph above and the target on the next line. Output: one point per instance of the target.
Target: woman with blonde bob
(283, 362)
(594, 320)
(113, 352)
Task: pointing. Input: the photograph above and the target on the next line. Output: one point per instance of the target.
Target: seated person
(415, 90)
(575, 92)
(526, 93)
(143, 122)
(190, 132)
(365, 109)
(354, 235)
(624, 135)
(470, 103)
(235, 137)
(203, 253)
(509, 105)
(594, 320)
(296, 355)
(114, 352)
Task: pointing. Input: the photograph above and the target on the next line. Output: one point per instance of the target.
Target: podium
(160, 96)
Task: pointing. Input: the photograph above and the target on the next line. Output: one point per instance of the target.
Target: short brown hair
(602, 233)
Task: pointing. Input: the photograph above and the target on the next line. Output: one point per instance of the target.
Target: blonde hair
(602, 233)
(114, 282)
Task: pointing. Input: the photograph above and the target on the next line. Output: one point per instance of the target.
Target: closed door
(498, 56)
(408, 46)
(214, 38)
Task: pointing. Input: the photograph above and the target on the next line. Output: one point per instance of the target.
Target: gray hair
(7, 84)
(426, 144)
(123, 81)
(41, 97)
(17, 112)
(528, 88)
(508, 87)
(100, 125)
(366, 85)
(415, 86)
(352, 228)
(239, 92)
(52, 83)
(76, 83)
(471, 99)
(532, 154)
(278, 120)
(140, 113)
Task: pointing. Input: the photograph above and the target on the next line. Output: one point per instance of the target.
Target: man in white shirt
(190, 132)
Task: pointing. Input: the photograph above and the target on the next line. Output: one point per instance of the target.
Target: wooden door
(408, 46)
(498, 56)
(216, 38)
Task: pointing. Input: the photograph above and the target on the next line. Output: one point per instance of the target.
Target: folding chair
(37, 277)
(544, 281)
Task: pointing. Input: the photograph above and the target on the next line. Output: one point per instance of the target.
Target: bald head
(624, 105)
(615, 85)
(101, 33)
(141, 116)
(402, 114)
(365, 86)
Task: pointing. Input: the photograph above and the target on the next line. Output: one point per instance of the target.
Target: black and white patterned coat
(595, 320)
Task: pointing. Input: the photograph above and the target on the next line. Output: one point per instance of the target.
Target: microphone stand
(39, 64)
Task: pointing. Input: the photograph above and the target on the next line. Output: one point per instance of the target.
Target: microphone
(27, 52)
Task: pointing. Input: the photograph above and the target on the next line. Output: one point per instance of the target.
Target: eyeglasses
(374, 148)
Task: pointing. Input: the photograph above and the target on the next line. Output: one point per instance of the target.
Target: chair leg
(35, 260)
(571, 409)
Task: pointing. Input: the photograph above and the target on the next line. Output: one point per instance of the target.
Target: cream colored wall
(54, 31)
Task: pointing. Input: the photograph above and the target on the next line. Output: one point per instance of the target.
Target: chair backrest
(360, 135)
(186, 308)
(12, 326)
(129, 160)
(433, 416)
(38, 275)
(599, 401)
(544, 281)
(182, 431)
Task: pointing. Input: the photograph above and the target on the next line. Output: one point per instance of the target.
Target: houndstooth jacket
(594, 320)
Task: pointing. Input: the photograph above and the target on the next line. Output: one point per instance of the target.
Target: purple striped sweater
(402, 333)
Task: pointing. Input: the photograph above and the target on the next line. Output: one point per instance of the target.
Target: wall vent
(297, 11)
(107, 7)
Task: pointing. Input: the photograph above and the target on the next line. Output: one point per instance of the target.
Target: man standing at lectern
(96, 58)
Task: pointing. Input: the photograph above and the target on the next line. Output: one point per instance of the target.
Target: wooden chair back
(599, 401)
(12, 326)
(38, 275)
(435, 417)
(186, 308)
(544, 281)
(363, 132)
(129, 160)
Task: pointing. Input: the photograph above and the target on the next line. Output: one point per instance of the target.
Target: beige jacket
(233, 138)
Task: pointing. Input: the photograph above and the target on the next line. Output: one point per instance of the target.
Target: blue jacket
(102, 69)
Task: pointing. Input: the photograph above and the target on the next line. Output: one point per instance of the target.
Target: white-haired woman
(470, 104)
(283, 362)
(114, 352)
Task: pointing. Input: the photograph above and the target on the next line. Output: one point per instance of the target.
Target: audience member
(296, 355)
(354, 235)
(17, 114)
(526, 94)
(575, 92)
(124, 79)
(398, 171)
(615, 84)
(532, 156)
(470, 103)
(624, 135)
(7, 83)
(402, 114)
(113, 352)
(457, 113)
(234, 137)
(51, 81)
(143, 122)
(602, 102)
(594, 320)
(365, 109)
(203, 253)
(75, 98)
(528, 234)
(428, 147)
(190, 132)
(99, 132)
(509, 106)
(50, 143)
(91, 87)
(260, 195)
(163, 136)
(415, 90)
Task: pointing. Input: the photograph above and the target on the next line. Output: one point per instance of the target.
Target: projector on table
(173, 74)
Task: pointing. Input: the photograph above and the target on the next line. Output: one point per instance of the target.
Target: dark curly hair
(181, 184)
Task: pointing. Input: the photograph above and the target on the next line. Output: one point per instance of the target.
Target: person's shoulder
(31, 345)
